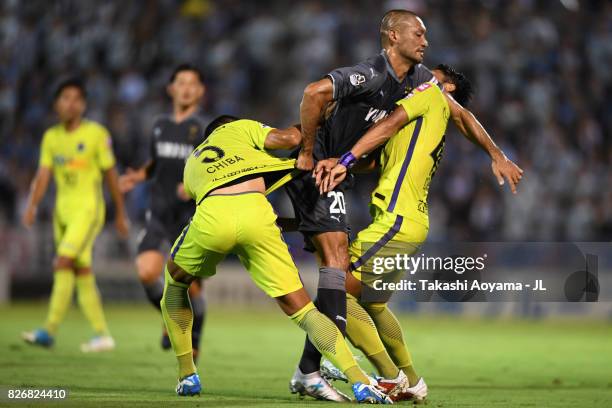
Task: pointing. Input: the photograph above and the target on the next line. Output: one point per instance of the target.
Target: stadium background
(541, 70)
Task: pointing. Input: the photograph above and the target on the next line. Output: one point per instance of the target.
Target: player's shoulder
(94, 128)
(52, 131)
(161, 118)
(200, 119)
(374, 69)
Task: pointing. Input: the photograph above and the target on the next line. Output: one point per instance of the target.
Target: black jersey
(364, 94)
(171, 144)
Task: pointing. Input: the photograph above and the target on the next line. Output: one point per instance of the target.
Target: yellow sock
(390, 333)
(178, 317)
(61, 298)
(326, 337)
(90, 302)
(361, 331)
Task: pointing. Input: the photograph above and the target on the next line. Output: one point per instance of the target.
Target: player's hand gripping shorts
(242, 224)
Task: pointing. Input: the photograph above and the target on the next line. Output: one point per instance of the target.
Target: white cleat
(399, 388)
(315, 386)
(330, 372)
(98, 344)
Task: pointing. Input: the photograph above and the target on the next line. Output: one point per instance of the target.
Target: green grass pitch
(249, 356)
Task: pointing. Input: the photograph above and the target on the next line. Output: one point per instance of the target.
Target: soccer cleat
(369, 394)
(38, 337)
(315, 386)
(189, 386)
(399, 389)
(98, 344)
(330, 372)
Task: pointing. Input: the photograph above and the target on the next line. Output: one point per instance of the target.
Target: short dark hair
(390, 20)
(70, 82)
(219, 121)
(463, 87)
(186, 67)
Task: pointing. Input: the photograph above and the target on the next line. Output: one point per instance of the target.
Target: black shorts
(162, 228)
(317, 213)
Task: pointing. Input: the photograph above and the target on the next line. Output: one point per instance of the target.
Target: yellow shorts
(242, 224)
(76, 233)
(387, 236)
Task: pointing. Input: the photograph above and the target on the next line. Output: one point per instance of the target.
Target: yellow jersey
(77, 159)
(232, 151)
(410, 158)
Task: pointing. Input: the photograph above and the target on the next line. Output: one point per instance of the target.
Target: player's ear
(449, 87)
(170, 90)
(202, 90)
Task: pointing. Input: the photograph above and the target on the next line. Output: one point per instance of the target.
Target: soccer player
(349, 100)
(79, 153)
(227, 176)
(174, 138)
(415, 133)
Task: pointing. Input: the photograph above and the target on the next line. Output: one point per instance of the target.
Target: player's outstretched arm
(317, 96)
(283, 138)
(502, 167)
(121, 221)
(38, 189)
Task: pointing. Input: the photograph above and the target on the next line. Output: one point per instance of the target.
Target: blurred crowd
(541, 71)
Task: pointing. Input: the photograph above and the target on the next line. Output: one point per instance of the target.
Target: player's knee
(375, 307)
(63, 262)
(147, 274)
(178, 274)
(195, 289)
(332, 278)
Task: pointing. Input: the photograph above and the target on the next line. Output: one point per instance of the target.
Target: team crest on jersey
(193, 132)
(357, 79)
(80, 147)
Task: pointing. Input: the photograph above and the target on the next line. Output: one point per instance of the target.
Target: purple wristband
(347, 160)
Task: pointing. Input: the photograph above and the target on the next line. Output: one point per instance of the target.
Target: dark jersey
(171, 144)
(363, 94)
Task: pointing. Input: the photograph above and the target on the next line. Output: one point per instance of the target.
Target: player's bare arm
(37, 192)
(317, 96)
(283, 138)
(502, 167)
(121, 221)
(373, 138)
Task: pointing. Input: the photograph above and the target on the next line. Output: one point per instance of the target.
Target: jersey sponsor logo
(374, 115)
(357, 79)
(423, 86)
(221, 164)
(171, 150)
(436, 156)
